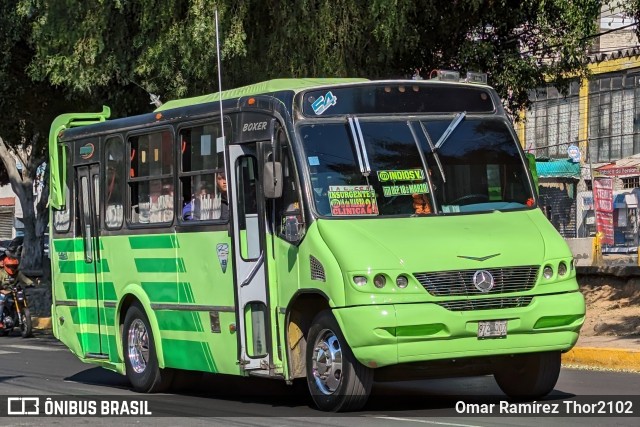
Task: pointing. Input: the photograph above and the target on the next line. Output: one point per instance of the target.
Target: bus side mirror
(272, 179)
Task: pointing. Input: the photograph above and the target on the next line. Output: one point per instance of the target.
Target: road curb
(608, 358)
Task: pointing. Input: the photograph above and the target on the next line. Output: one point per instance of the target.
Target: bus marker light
(475, 77)
(158, 116)
(232, 327)
(360, 280)
(562, 268)
(402, 282)
(251, 101)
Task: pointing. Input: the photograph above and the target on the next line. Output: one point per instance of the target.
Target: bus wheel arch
(300, 314)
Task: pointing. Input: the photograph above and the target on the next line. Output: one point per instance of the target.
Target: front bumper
(383, 335)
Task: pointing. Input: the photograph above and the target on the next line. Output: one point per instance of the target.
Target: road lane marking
(8, 352)
(33, 347)
(440, 423)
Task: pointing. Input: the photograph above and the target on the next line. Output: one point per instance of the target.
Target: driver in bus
(421, 202)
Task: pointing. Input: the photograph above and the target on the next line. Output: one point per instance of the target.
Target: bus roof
(268, 86)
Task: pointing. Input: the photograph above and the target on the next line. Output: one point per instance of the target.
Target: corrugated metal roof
(564, 168)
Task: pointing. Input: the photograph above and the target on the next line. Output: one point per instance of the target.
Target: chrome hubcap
(138, 346)
(327, 362)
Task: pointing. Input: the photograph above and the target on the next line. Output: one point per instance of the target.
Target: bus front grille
(460, 282)
(486, 303)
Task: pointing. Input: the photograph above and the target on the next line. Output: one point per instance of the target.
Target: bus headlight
(562, 268)
(547, 272)
(360, 280)
(402, 281)
(379, 281)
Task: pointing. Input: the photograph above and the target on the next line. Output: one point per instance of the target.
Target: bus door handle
(254, 270)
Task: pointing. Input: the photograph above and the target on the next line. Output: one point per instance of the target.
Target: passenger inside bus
(221, 203)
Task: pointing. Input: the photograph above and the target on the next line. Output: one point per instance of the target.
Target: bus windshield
(373, 167)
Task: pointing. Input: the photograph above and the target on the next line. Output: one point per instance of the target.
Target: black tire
(531, 375)
(26, 327)
(345, 384)
(140, 357)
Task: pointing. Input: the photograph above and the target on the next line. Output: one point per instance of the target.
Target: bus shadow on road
(100, 377)
(387, 397)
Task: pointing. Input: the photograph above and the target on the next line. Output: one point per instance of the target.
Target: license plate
(492, 329)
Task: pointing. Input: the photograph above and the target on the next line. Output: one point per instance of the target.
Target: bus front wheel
(337, 381)
(529, 375)
(140, 356)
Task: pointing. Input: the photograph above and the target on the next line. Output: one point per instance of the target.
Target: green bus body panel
(151, 264)
(402, 333)
(269, 86)
(196, 355)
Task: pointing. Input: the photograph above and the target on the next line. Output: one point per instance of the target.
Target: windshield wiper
(452, 126)
(433, 150)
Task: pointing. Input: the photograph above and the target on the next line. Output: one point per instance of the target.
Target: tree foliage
(168, 46)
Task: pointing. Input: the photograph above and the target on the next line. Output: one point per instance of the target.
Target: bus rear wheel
(140, 357)
(529, 375)
(337, 381)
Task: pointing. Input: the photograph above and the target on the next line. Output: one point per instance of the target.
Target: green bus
(338, 230)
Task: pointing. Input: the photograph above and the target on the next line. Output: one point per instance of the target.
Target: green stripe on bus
(87, 291)
(193, 355)
(171, 320)
(154, 242)
(111, 347)
(88, 340)
(68, 245)
(166, 291)
(90, 315)
(160, 265)
(185, 293)
(81, 267)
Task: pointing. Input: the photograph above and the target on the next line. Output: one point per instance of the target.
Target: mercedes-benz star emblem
(483, 281)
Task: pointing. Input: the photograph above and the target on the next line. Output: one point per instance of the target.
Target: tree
(168, 46)
(26, 110)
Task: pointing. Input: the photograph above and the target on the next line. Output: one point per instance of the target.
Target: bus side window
(203, 194)
(289, 218)
(114, 173)
(151, 178)
(62, 217)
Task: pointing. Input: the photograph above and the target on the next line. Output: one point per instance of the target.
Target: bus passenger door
(90, 267)
(248, 228)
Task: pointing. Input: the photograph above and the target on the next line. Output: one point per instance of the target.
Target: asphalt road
(43, 367)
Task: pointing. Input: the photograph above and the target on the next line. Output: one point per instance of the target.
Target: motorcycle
(16, 312)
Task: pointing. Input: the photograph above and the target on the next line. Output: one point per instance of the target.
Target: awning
(629, 166)
(563, 168)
